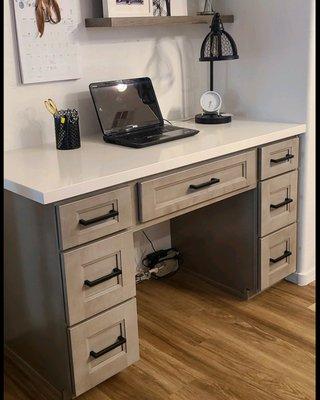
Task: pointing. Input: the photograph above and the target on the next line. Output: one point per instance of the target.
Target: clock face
(210, 102)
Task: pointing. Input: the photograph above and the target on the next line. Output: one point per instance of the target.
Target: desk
(231, 196)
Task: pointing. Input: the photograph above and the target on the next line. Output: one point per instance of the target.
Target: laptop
(129, 114)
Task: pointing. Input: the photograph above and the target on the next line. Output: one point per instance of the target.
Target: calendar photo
(127, 8)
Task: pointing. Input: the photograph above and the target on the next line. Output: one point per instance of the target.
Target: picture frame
(127, 8)
(186, 7)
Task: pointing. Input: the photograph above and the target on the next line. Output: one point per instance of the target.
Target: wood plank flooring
(199, 343)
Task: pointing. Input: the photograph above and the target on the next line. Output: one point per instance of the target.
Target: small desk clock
(211, 104)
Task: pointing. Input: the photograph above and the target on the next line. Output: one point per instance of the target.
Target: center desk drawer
(104, 345)
(99, 276)
(93, 217)
(176, 191)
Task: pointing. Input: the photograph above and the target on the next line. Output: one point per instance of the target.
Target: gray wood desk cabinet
(71, 314)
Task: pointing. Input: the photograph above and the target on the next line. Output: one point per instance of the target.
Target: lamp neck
(211, 76)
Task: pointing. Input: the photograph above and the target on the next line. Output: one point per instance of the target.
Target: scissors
(51, 107)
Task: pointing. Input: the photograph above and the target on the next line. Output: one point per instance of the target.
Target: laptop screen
(126, 105)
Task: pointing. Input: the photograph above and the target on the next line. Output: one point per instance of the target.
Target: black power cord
(159, 256)
(149, 240)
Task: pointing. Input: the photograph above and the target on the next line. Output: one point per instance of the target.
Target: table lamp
(218, 45)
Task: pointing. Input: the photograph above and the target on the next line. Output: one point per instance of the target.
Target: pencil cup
(67, 131)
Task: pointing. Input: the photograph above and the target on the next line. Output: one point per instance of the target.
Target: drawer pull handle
(212, 181)
(284, 255)
(111, 214)
(120, 341)
(284, 203)
(283, 159)
(114, 273)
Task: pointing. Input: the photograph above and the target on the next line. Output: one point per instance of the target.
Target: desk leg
(219, 243)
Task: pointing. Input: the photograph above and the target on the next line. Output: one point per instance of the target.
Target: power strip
(159, 265)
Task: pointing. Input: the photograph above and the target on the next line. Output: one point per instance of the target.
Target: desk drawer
(104, 345)
(176, 191)
(94, 217)
(278, 158)
(99, 276)
(278, 255)
(279, 198)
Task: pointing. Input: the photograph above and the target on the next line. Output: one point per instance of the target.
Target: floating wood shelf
(151, 21)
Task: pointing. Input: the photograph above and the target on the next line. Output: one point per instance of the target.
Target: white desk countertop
(46, 175)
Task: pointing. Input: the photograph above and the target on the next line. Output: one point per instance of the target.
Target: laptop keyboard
(151, 136)
(146, 138)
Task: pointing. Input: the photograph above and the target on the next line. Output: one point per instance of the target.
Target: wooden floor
(199, 343)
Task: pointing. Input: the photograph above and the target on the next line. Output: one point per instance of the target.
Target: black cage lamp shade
(218, 45)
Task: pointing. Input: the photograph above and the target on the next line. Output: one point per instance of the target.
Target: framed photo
(127, 8)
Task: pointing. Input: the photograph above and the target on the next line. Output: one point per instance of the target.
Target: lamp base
(212, 119)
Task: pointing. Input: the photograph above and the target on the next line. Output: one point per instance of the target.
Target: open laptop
(129, 114)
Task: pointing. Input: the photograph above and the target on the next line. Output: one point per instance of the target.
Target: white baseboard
(302, 278)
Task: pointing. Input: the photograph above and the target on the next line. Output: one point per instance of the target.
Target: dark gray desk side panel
(35, 323)
(219, 243)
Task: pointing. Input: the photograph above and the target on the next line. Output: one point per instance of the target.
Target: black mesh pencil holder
(67, 131)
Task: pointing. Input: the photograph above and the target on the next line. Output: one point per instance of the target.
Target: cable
(153, 264)
(149, 241)
(169, 275)
(167, 121)
(151, 260)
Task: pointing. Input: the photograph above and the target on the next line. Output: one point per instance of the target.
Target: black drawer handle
(284, 203)
(283, 159)
(114, 273)
(120, 341)
(212, 181)
(285, 255)
(111, 214)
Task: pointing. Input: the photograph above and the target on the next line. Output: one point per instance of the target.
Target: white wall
(269, 81)
(274, 80)
(306, 254)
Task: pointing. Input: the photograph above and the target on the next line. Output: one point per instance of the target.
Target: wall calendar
(52, 57)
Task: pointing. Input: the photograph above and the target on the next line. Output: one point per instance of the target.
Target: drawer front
(95, 217)
(104, 345)
(99, 276)
(279, 198)
(278, 158)
(278, 255)
(173, 192)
